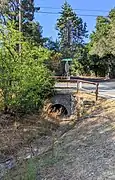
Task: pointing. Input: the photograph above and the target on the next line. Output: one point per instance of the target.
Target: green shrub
(76, 68)
(24, 80)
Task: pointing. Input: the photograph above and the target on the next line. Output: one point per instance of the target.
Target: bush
(76, 68)
(24, 80)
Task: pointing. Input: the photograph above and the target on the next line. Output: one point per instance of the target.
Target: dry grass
(14, 134)
(103, 105)
(75, 155)
(1, 100)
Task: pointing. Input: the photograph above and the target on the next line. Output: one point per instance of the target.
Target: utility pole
(20, 22)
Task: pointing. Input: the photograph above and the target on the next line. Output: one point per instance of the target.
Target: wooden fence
(78, 81)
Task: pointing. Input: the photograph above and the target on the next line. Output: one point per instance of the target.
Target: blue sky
(48, 21)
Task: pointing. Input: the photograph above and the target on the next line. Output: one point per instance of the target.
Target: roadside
(106, 87)
(84, 152)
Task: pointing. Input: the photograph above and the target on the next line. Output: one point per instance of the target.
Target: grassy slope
(95, 119)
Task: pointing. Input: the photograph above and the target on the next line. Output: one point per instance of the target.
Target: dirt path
(85, 153)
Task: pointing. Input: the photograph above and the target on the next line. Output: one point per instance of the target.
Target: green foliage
(102, 43)
(25, 81)
(52, 45)
(77, 68)
(27, 170)
(32, 170)
(81, 61)
(33, 32)
(54, 62)
(10, 12)
(98, 65)
(71, 29)
(98, 38)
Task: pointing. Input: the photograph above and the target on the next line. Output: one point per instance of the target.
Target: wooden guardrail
(78, 84)
(59, 77)
(88, 82)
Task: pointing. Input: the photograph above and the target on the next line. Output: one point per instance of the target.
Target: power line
(78, 9)
(44, 12)
(57, 13)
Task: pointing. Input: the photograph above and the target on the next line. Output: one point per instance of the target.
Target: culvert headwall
(65, 101)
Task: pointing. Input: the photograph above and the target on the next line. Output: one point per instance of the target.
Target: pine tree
(72, 30)
(10, 12)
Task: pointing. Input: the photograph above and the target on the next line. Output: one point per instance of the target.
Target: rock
(6, 165)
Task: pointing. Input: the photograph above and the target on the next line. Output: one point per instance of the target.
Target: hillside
(85, 151)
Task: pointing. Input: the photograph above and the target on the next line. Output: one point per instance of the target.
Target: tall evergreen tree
(10, 12)
(102, 42)
(52, 45)
(72, 30)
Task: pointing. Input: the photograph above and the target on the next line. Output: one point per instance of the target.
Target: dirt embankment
(85, 152)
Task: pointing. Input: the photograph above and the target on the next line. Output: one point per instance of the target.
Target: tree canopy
(102, 42)
(10, 12)
(71, 30)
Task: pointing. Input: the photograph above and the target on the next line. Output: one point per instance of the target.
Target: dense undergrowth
(25, 81)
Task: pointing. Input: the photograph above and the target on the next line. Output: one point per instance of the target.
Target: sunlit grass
(30, 169)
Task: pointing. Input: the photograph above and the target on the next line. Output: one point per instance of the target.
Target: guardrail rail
(78, 81)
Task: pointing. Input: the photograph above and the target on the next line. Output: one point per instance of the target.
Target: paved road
(106, 88)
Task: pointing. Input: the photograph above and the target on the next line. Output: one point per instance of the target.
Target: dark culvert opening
(58, 110)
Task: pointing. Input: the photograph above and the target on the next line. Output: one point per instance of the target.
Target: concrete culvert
(57, 110)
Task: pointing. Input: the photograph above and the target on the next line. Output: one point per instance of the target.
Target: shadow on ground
(85, 153)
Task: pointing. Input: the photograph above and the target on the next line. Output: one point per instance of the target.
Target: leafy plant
(25, 80)
(102, 44)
